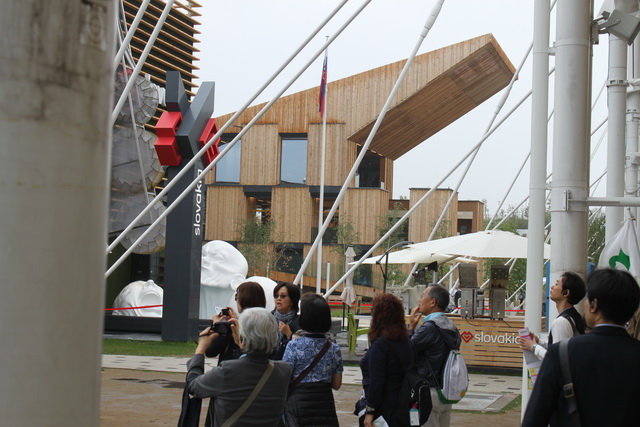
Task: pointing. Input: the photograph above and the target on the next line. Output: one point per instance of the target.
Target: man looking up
(603, 364)
(432, 342)
(568, 291)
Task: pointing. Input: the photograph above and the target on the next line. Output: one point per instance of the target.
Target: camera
(224, 312)
(223, 327)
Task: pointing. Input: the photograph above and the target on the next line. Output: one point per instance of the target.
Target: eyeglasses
(281, 296)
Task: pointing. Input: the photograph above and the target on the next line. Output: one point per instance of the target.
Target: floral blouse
(301, 352)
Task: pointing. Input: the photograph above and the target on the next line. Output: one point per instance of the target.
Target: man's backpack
(455, 378)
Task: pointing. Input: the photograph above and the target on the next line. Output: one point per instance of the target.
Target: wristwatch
(370, 410)
(533, 348)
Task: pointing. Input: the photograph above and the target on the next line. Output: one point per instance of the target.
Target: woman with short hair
(233, 381)
(310, 401)
(248, 294)
(286, 296)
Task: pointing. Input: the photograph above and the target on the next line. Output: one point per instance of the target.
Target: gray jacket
(233, 381)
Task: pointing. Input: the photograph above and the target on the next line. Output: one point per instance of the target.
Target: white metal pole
(501, 102)
(54, 120)
(327, 285)
(617, 103)
(538, 175)
(426, 196)
(633, 112)
(237, 114)
(435, 11)
(322, 155)
(141, 60)
(124, 44)
(570, 139)
(215, 161)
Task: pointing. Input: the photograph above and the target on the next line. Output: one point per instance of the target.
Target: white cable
(228, 146)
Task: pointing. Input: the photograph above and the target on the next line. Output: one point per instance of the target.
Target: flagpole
(323, 109)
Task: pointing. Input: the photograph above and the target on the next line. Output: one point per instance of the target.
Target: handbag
(190, 412)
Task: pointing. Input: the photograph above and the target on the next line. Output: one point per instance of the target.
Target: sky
(243, 42)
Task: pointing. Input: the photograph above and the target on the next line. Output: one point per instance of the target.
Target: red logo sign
(466, 336)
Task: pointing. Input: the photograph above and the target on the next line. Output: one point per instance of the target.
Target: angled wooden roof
(464, 76)
(440, 87)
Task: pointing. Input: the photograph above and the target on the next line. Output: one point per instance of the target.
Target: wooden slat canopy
(471, 78)
(440, 87)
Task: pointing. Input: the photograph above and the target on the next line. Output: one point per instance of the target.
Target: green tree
(596, 236)
(395, 273)
(261, 245)
(345, 235)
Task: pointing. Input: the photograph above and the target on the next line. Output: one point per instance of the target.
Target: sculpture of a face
(139, 294)
(222, 265)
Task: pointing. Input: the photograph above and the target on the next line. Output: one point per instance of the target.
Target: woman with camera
(317, 367)
(252, 389)
(286, 296)
(248, 294)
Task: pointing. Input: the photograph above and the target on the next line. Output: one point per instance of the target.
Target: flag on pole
(323, 88)
(622, 251)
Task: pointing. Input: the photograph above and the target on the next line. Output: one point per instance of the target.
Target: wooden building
(273, 172)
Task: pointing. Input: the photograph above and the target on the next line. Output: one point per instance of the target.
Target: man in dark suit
(604, 364)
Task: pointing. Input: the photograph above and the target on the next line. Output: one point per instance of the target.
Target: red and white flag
(323, 88)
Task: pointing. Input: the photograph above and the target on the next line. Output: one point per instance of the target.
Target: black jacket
(283, 341)
(384, 368)
(432, 342)
(606, 378)
(311, 404)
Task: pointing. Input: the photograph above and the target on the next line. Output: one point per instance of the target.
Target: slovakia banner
(622, 252)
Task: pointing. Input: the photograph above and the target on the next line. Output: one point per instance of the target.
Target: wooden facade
(427, 214)
(440, 87)
(223, 219)
(473, 211)
(260, 156)
(291, 209)
(364, 208)
(339, 155)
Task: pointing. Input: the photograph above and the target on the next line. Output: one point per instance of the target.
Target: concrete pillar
(571, 139)
(617, 102)
(538, 175)
(56, 86)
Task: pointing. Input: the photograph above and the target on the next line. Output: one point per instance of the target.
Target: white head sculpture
(223, 266)
(139, 294)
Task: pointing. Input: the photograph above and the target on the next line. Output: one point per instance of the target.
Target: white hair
(258, 330)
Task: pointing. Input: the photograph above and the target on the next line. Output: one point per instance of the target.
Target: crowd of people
(279, 368)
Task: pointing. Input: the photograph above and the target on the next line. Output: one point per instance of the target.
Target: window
(228, 167)
(293, 165)
(370, 171)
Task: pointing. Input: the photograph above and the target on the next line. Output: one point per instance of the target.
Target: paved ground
(147, 391)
